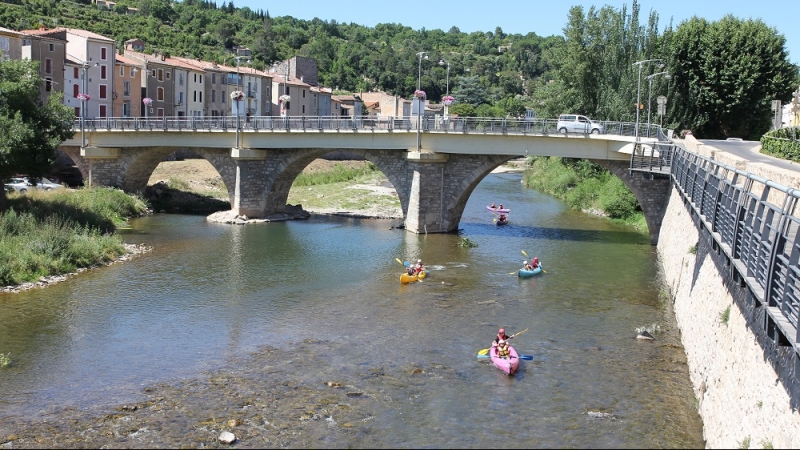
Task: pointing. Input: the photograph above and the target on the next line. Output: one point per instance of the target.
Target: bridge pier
(651, 190)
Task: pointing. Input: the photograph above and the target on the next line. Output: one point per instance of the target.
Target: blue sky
(544, 18)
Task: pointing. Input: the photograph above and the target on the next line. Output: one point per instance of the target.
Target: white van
(575, 123)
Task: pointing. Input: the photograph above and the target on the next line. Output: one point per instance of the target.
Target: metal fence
(427, 124)
(754, 222)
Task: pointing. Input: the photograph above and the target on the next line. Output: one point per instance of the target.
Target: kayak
(507, 365)
(406, 278)
(498, 210)
(529, 273)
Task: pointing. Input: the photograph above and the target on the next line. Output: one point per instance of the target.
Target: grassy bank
(586, 186)
(57, 232)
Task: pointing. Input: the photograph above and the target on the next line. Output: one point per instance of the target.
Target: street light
(639, 89)
(285, 89)
(84, 96)
(441, 63)
(649, 88)
(238, 96)
(419, 95)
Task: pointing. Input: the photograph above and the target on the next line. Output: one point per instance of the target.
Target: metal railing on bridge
(427, 124)
(754, 221)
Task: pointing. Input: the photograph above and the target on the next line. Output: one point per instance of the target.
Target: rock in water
(645, 335)
(226, 437)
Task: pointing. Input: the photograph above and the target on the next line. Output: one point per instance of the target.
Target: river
(326, 290)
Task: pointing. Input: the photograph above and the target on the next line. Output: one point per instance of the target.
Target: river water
(329, 286)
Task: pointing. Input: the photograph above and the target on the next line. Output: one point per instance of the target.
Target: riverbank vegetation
(57, 232)
(586, 186)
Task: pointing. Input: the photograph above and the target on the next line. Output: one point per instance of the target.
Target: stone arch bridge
(434, 169)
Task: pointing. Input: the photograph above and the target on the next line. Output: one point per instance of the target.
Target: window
(77, 112)
(103, 53)
(75, 90)
(126, 88)
(213, 80)
(160, 74)
(304, 93)
(168, 74)
(195, 78)
(180, 80)
(194, 96)
(126, 108)
(133, 72)
(153, 73)
(103, 72)
(160, 95)
(121, 71)
(48, 65)
(160, 112)
(201, 79)
(102, 110)
(201, 97)
(75, 73)
(213, 96)
(180, 98)
(48, 84)
(52, 47)
(103, 88)
(304, 109)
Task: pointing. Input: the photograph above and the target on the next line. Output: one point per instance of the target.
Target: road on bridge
(749, 150)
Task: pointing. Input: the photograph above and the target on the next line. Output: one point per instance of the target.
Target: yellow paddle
(486, 350)
(526, 255)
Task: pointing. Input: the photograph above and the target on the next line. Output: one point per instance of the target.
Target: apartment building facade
(95, 55)
(49, 48)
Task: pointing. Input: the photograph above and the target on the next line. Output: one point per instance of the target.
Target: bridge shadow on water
(555, 234)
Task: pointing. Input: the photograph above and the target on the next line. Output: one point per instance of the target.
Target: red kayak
(507, 365)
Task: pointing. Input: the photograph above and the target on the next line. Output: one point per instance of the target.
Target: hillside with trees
(724, 74)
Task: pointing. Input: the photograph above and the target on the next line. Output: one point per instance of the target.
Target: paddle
(525, 357)
(405, 263)
(526, 255)
(485, 351)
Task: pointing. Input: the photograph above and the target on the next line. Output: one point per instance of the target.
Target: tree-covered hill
(724, 74)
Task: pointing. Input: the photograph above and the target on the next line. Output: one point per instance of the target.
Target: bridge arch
(651, 191)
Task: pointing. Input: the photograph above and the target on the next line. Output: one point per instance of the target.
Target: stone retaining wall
(741, 397)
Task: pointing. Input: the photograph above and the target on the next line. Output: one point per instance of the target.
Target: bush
(782, 143)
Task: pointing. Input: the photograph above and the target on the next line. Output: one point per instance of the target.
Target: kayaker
(501, 336)
(535, 263)
(502, 216)
(411, 271)
(501, 206)
(502, 349)
(493, 207)
(526, 266)
(418, 267)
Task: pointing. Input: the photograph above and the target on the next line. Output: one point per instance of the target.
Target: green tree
(511, 106)
(462, 109)
(725, 76)
(469, 90)
(30, 131)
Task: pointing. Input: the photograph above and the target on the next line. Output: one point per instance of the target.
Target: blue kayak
(529, 273)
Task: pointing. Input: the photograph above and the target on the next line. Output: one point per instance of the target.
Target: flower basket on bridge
(419, 93)
(447, 100)
(237, 95)
(284, 98)
(147, 101)
(83, 97)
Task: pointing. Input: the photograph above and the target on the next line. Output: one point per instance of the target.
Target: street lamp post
(238, 96)
(84, 96)
(419, 95)
(639, 90)
(446, 100)
(283, 91)
(649, 88)
(441, 63)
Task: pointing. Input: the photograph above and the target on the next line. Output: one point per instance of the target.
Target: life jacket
(502, 351)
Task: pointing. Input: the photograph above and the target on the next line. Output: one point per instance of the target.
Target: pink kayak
(507, 365)
(498, 210)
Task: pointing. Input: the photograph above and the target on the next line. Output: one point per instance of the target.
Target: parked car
(48, 184)
(575, 123)
(23, 184)
(17, 184)
(69, 175)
